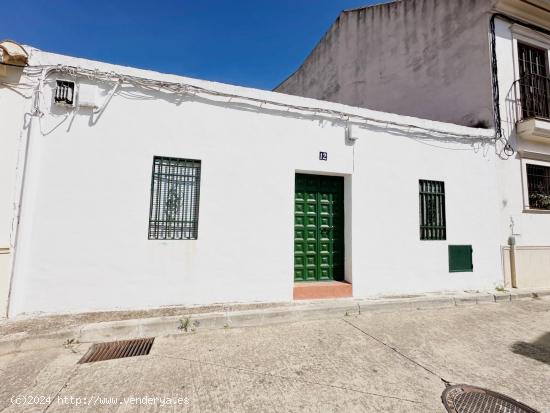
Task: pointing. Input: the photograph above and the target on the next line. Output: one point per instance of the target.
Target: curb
(310, 310)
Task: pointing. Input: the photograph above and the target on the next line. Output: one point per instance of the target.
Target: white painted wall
(83, 236)
(531, 228)
(389, 252)
(13, 105)
(384, 57)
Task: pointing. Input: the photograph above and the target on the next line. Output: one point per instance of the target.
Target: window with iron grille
(538, 184)
(432, 210)
(175, 188)
(64, 92)
(534, 82)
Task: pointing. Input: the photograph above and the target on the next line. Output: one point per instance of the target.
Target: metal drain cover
(462, 398)
(118, 350)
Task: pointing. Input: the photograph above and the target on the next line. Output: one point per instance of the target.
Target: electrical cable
(192, 90)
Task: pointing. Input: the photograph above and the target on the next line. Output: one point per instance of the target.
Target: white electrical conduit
(187, 89)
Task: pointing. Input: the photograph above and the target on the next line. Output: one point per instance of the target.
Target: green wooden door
(319, 228)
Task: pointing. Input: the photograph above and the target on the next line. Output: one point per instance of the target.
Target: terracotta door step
(321, 289)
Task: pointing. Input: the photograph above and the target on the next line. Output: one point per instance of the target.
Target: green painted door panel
(319, 228)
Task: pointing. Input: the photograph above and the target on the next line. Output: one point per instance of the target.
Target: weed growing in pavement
(184, 324)
(70, 343)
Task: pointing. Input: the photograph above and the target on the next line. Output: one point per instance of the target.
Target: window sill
(534, 129)
(536, 211)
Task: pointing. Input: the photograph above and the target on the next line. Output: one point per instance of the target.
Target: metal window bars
(432, 210)
(534, 96)
(175, 190)
(538, 184)
(64, 92)
(533, 83)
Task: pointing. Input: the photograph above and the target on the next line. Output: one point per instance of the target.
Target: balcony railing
(534, 96)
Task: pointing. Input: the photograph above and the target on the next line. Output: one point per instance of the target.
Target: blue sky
(245, 42)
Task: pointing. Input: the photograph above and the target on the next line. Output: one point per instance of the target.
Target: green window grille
(538, 184)
(174, 209)
(460, 258)
(432, 210)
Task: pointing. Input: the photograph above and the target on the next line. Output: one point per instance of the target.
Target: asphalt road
(374, 362)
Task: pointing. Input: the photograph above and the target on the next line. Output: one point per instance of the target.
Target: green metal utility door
(319, 228)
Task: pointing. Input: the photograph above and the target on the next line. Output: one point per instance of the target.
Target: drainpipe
(30, 126)
(18, 200)
(512, 244)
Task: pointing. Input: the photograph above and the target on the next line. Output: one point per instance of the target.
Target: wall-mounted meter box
(87, 95)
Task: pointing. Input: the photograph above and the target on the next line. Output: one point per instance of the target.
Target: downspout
(513, 274)
(18, 199)
(21, 171)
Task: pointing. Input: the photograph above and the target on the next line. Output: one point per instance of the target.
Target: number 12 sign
(323, 156)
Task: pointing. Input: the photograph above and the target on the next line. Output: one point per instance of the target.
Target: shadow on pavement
(538, 350)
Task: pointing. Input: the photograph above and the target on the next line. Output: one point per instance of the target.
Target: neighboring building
(133, 189)
(424, 58)
(480, 63)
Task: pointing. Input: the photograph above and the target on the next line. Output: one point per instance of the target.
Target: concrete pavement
(376, 361)
(46, 331)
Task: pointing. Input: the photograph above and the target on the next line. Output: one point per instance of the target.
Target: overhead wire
(180, 88)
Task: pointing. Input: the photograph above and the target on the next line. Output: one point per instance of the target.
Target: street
(394, 361)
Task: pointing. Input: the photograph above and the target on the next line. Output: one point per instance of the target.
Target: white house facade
(123, 188)
(484, 64)
(520, 37)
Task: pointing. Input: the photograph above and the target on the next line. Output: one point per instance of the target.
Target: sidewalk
(31, 333)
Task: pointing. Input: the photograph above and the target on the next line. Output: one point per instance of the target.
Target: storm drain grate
(118, 350)
(469, 399)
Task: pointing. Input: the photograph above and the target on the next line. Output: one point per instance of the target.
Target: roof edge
(372, 6)
(311, 52)
(44, 59)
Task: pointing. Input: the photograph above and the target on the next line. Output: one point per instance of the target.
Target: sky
(243, 42)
